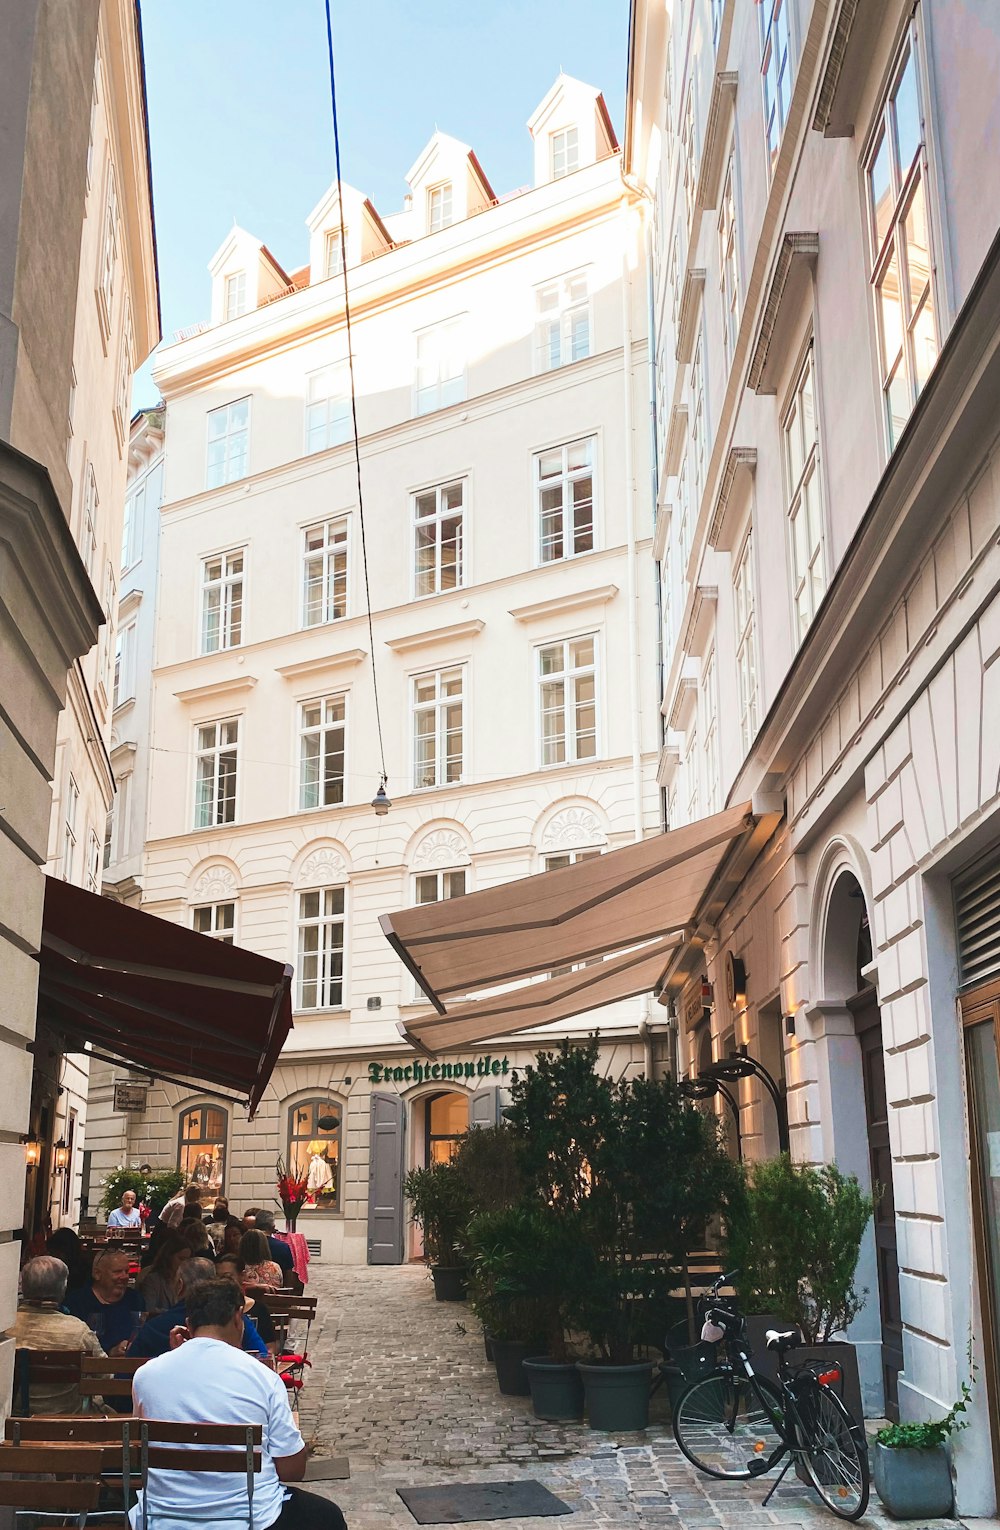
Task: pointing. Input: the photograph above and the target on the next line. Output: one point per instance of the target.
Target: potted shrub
(798, 1239)
(911, 1467)
(440, 1206)
(489, 1162)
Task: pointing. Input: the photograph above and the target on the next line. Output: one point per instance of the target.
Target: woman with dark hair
(158, 1281)
(195, 1234)
(64, 1244)
(259, 1268)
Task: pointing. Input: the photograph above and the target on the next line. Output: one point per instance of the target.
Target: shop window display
(314, 1150)
(202, 1146)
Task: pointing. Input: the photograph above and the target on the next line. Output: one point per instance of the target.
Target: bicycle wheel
(722, 1426)
(832, 1451)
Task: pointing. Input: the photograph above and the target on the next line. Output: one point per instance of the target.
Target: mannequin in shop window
(319, 1180)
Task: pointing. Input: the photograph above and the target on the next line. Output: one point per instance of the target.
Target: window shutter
(977, 917)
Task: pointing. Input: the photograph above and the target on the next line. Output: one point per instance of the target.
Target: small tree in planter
(911, 1468)
(153, 1190)
(440, 1205)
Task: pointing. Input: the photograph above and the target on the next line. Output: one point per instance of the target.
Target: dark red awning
(160, 996)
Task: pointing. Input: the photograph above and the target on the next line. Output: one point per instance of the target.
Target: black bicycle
(735, 1424)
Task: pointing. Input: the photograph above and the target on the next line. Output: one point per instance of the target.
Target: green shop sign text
(419, 1073)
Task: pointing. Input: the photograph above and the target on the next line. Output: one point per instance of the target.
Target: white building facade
(501, 373)
(824, 332)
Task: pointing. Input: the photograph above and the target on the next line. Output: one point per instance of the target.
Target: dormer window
(439, 207)
(333, 264)
(236, 294)
(564, 152)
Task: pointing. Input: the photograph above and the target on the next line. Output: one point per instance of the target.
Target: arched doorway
(848, 973)
(446, 1120)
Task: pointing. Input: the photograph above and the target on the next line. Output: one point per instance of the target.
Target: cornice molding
(739, 457)
(573, 600)
(675, 439)
(796, 250)
(433, 635)
(840, 36)
(723, 97)
(685, 696)
(218, 690)
(691, 291)
(668, 765)
(701, 620)
(308, 668)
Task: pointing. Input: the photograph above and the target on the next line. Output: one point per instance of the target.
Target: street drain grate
(461, 1503)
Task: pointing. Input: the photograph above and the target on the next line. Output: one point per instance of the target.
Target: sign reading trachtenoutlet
(420, 1073)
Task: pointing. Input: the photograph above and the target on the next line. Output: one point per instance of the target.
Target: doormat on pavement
(327, 1469)
(460, 1503)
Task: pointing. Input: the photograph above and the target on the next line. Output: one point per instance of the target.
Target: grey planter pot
(450, 1282)
(556, 1388)
(617, 1396)
(914, 1484)
(509, 1356)
(838, 1352)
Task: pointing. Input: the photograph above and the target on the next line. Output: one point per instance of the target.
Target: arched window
(314, 1150)
(201, 1146)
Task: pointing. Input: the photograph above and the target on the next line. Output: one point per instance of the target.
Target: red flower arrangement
(293, 1190)
(144, 1212)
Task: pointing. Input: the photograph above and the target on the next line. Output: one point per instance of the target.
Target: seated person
(40, 1324)
(259, 1269)
(153, 1337)
(230, 1267)
(280, 1251)
(194, 1234)
(207, 1380)
(65, 1244)
(127, 1214)
(218, 1220)
(174, 1209)
(158, 1281)
(106, 1304)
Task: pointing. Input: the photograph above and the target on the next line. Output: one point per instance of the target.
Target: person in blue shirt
(127, 1214)
(153, 1337)
(106, 1304)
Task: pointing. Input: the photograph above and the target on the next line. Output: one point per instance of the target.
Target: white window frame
(333, 264)
(444, 891)
(70, 813)
(440, 206)
(235, 295)
(684, 528)
(328, 407)
(565, 482)
(568, 677)
(123, 395)
(729, 259)
(559, 307)
(108, 849)
(125, 666)
(107, 269)
(432, 523)
(133, 523)
(221, 921)
(94, 855)
(437, 706)
(437, 382)
(808, 586)
(214, 752)
(106, 643)
(324, 733)
(892, 250)
(699, 418)
(776, 73)
(229, 588)
(330, 990)
(689, 156)
(564, 151)
(692, 775)
(709, 703)
(745, 628)
(88, 520)
(332, 561)
(233, 467)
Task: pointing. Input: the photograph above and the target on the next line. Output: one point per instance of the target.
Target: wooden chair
(109, 1375)
(286, 1309)
(76, 1491)
(116, 1440)
(165, 1446)
(43, 1366)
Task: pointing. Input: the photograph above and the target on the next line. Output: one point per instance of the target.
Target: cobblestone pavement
(400, 1385)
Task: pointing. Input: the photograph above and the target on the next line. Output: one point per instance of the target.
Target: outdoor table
(300, 1253)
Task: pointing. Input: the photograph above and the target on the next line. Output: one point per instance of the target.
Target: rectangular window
(93, 126)
(438, 715)
(746, 655)
(333, 263)
(667, 603)
(236, 294)
(684, 516)
(228, 443)
(215, 780)
(109, 254)
(324, 573)
(699, 421)
(124, 684)
(123, 396)
(689, 156)
(567, 690)
(328, 407)
(562, 322)
(321, 948)
(135, 510)
(440, 379)
(106, 642)
(564, 152)
(776, 72)
(710, 733)
(438, 537)
(691, 783)
(109, 836)
(717, 9)
(222, 602)
(93, 861)
(69, 828)
(564, 491)
(438, 886)
(217, 920)
(322, 732)
(805, 505)
(88, 521)
(729, 272)
(438, 207)
(899, 239)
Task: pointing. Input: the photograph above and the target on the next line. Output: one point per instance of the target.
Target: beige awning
(646, 891)
(536, 1004)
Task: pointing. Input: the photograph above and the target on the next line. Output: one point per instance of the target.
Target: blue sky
(240, 123)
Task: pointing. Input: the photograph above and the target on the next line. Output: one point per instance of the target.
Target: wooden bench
(76, 1468)
(43, 1366)
(109, 1375)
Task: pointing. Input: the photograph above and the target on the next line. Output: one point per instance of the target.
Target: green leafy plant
(795, 1234)
(439, 1201)
(528, 1272)
(930, 1432)
(488, 1159)
(153, 1190)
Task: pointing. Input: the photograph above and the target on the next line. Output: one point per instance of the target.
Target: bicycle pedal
(757, 1467)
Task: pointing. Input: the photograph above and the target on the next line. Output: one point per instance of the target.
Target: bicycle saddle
(782, 1339)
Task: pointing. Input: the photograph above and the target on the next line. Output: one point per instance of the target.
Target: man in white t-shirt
(208, 1379)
